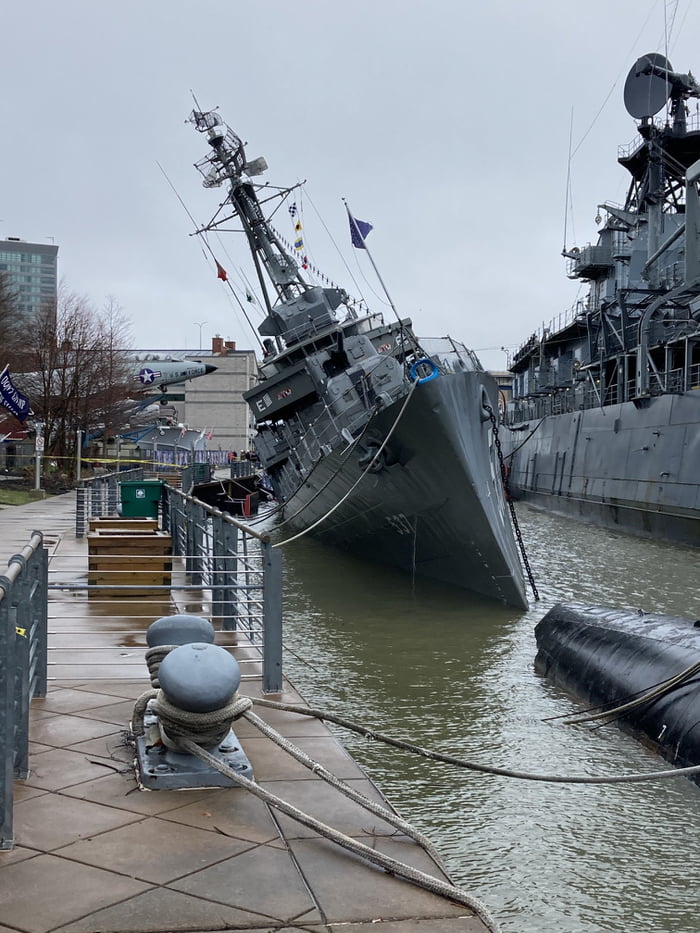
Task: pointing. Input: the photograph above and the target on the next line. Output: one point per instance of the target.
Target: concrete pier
(94, 853)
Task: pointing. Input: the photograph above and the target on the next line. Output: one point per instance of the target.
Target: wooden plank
(116, 522)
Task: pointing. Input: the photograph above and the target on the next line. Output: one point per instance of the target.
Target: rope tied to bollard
(391, 865)
(189, 732)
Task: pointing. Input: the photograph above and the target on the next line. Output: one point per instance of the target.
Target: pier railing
(237, 570)
(99, 496)
(23, 657)
(212, 565)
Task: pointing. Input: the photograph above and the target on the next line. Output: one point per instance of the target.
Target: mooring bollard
(197, 700)
(168, 632)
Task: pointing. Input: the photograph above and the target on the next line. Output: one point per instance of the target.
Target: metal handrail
(23, 650)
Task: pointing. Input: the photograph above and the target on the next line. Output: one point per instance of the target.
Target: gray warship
(374, 441)
(604, 421)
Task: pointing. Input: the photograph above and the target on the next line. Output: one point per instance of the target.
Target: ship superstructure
(605, 415)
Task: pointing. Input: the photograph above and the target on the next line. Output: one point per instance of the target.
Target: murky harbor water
(455, 673)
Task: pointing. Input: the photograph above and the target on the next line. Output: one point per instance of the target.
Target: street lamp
(200, 325)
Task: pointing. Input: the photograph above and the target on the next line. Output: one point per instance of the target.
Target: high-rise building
(31, 270)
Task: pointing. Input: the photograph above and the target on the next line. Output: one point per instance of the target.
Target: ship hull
(631, 466)
(433, 503)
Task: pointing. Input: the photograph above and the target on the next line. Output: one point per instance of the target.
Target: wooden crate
(172, 478)
(130, 559)
(117, 523)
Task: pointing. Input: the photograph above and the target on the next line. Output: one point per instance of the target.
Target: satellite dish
(648, 85)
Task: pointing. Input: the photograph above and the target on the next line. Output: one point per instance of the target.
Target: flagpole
(354, 226)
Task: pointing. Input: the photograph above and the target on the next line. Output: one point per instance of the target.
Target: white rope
(389, 864)
(472, 765)
(387, 815)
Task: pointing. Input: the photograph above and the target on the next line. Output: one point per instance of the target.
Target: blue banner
(12, 398)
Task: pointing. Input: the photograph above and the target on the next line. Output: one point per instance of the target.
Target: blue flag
(359, 229)
(12, 398)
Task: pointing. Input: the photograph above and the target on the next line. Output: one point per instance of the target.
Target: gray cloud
(446, 124)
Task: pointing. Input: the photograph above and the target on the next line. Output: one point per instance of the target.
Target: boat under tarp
(238, 496)
(605, 657)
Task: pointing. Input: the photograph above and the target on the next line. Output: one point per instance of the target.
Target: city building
(214, 404)
(31, 270)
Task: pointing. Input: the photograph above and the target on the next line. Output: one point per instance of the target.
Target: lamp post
(200, 325)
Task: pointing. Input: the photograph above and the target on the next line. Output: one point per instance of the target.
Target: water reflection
(455, 672)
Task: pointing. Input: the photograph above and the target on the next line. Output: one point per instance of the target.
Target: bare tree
(77, 372)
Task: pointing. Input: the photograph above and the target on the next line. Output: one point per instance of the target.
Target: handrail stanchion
(7, 717)
(229, 593)
(272, 618)
(23, 633)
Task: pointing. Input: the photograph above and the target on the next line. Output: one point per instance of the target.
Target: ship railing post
(272, 618)
(229, 588)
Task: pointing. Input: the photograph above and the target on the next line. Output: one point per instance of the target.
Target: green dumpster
(140, 498)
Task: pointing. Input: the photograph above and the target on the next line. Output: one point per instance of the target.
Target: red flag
(220, 272)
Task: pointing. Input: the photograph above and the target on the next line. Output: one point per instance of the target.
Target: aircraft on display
(156, 373)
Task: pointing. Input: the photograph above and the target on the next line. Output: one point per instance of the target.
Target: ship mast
(226, 164)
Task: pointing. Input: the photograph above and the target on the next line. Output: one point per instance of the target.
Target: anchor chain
(511, 504)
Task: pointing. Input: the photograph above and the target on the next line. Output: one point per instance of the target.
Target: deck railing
(586, 394)
(221, 569)
(23, 656)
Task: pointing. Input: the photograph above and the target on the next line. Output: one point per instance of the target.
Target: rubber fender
(605, 656)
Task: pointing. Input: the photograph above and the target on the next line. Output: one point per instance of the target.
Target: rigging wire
(572, 152)
(337, 248)
(634, 44)
(200, 233)
(362, 475)
(245, 287)
(568, 184)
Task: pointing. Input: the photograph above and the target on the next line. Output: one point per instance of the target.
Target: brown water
(455, 673)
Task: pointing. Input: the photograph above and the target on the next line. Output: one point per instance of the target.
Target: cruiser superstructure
(374, 441)
(605, 415)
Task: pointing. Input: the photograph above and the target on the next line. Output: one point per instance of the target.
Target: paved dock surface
(94, 854)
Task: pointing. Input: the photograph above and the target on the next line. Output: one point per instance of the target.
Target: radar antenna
(651, 82)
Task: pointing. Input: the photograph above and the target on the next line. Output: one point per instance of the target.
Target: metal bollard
(197, 699)
(199, 678)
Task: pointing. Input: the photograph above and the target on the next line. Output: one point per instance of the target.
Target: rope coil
(206, 729)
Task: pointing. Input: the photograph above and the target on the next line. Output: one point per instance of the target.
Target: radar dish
(647, 90)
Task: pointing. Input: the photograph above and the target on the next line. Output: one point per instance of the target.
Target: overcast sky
(445, 123)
